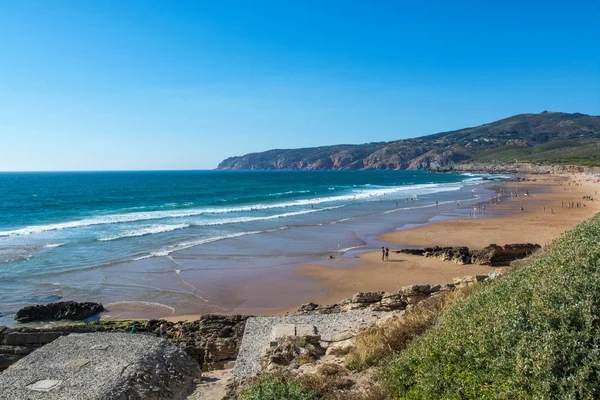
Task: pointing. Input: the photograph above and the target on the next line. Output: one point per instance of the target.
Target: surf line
(196, 292)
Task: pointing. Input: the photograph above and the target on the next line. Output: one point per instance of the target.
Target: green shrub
(276, 388)
(532, 334)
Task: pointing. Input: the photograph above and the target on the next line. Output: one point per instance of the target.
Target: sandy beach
(533, 224)
(334, 280)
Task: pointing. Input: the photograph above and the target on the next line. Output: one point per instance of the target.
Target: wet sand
(532, 225)
(337, 279)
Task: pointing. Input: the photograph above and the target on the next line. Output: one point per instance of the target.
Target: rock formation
(212, 340)
(490, 255)
(56, 311)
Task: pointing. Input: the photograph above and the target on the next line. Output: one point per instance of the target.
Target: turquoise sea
(175, 242)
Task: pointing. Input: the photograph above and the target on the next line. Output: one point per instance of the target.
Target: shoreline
(365, 271)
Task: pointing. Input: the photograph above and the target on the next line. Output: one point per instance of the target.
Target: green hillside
(533, 334)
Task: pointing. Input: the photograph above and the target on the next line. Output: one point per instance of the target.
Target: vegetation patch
(276, 388)
(373, 346)
(535, 333)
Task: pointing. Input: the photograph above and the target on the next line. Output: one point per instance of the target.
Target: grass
(276, 388)
(576, 152)
(535, 333)
(374, 345)
(329, 383)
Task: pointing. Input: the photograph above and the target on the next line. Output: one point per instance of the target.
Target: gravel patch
(331, 327)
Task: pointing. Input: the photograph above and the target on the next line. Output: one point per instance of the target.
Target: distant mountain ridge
(545, 138)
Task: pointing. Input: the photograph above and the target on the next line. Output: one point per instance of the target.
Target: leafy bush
(276, 388)
(532, 334)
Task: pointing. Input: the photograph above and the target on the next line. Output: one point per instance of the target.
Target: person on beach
(382, 253)
(179, 333)
(163, 331)
(387, 253)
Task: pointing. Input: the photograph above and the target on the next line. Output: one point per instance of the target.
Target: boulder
(469, 280)
(296, 350)
(62, 310)
(367, 297)
(391, 302)
(415, 290)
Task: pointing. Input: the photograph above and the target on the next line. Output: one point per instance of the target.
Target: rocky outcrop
(212, 340)
(497, 255)
(406, 297)
(56, 311)
(459, 254)
(296, 350)
(490, 255)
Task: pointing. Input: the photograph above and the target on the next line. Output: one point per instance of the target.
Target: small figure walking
(382, 253)
(163, 331)
(387, 253)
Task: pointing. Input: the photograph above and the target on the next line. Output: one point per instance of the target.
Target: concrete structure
(102, 366)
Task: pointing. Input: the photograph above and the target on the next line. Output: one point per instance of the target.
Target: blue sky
(140, 84)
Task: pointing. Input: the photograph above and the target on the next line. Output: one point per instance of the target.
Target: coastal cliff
(545, 138)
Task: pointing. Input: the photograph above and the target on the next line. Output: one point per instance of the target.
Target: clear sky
(140, 84)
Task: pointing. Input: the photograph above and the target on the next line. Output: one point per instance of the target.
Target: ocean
(156, 243)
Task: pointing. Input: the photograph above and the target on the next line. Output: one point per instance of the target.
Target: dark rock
(414, 252)
(32, 338)
(6, 360)
(18, 350)
(55, 311)
(490, 255)
(495, 255)
(459, 254)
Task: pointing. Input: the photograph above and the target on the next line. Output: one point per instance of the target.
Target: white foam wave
(192, 243)
(138, 305)
(288, 193)
(265, 218)
(145, 230)
(51, 246)
(357, 194)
